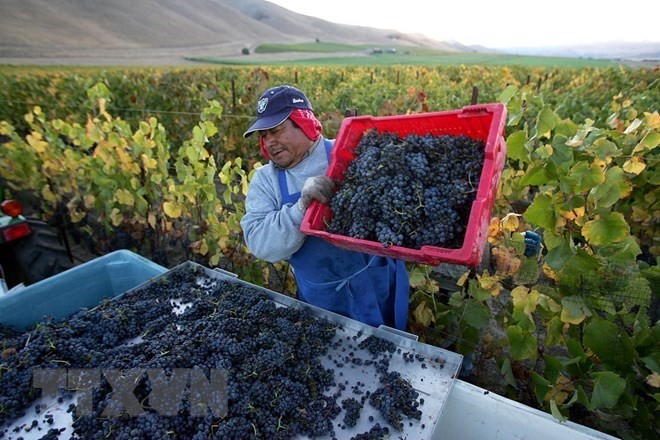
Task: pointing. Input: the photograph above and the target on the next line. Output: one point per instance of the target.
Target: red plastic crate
(485, 122)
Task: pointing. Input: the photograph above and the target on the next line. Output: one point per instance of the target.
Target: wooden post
(233, 93)
(295, 77)
(475, 95)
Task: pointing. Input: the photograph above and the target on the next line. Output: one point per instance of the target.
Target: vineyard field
(153, 160)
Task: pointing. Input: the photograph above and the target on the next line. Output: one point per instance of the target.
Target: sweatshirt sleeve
(270, 232)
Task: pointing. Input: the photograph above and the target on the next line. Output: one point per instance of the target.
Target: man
(370, 289)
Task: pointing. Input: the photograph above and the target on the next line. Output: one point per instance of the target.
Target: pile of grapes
(276, 385)
(409, 191)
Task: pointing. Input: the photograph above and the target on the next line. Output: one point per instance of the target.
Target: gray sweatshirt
(272, 230)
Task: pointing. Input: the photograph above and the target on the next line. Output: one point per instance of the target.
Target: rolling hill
(164, 31)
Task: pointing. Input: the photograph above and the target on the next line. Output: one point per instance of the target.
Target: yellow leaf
(561, 390)
(634, 165)
(36, 142)
(653, 380)
(204, 248)
(506, 260)
(88, 201)
(124, 197)
(574, 214)
(76, 216)
(172, 209)
(423, 314)
(511, 222)
(549, 272)
(151, 219)
(116, 217)
(149, 162)
(461, 281)
(653, 120)
(488, 281)
(48, 195)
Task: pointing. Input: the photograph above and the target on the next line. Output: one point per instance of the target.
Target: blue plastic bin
(85, 285)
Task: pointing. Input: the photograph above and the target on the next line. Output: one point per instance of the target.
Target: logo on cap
(297, 100)
(261, 105)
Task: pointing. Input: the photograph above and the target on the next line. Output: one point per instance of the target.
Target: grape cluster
(277, 386)
(396, 398)
(409, 191)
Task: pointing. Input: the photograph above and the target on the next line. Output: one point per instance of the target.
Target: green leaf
(609, 227)
(612, 189)
(523, 344)
(477, 292)
(583, 399)
(541, 212)
(476, 314)
(623, 253)
(456, 300)
(542, 386)
(648, 143)
(515, 147)
(554, 332)
(546, 121)
(553, 367)
(608, 388)
(536, 174)
(555, 411)
(508, 93)
(604, 149)
(560, 255)
(562, 155)
(574, 311)
(610, 343)
(586, 176)
(507, 372)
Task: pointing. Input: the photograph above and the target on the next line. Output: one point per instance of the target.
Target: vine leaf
(423, 314)
(523, 344)
(574, 310)
(608, 387)
(610, 343)
(541, 212)
(609, 227)
(172, 209)
(515, 146)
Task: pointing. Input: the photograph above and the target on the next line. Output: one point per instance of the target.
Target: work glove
(532, 243)
(315, 188)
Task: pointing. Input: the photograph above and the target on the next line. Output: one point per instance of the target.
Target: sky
(498, 24)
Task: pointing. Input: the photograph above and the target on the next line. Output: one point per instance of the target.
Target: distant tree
(245, 51)
(318, 41)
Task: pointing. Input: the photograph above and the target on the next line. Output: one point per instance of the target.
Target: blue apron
(371, 289)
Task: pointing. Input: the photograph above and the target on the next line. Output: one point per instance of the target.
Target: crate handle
(478, 108)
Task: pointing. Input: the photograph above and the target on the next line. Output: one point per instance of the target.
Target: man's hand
(532, 243)
(315, 188)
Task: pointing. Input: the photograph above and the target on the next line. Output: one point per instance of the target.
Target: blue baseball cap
(275, 105)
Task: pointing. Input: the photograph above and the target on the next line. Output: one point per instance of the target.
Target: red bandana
(306, 121)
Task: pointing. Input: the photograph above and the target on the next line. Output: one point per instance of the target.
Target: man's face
(286, 144)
